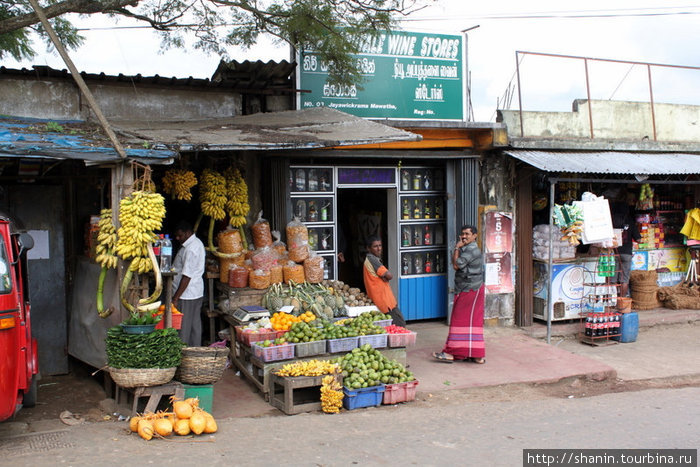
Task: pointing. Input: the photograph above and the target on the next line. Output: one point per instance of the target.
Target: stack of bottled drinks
(605, 324)
(607, 266)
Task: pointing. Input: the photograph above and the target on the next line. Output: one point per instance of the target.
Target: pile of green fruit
(364, 325)
(303, 332)
(365, 367)
(331, 331)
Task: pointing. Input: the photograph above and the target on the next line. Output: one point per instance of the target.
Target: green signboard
(407, 76)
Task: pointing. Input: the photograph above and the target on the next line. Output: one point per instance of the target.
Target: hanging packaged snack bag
(261, 232)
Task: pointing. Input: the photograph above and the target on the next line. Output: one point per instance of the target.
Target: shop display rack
(600, 320)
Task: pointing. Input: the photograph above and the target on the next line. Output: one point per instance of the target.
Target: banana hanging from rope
(178, 183)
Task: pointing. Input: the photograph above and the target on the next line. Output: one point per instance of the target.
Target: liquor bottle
(313, 239)
(406, 266)
(324, 211)
(301, 180)
(313, 180)
(426, 209)
(325, 186)
(428, 264)
(405, 236)
(438, 208)
(417, 237)
(417, 181)
(313, 214)
(427, 239)
(404, 180)
(325, 244)
(301, 209)
(418, 264)
(416, 209)
(405, 210)
(427, 182)
(438, 262)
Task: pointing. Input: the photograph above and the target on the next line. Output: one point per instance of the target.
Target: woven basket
(202, 365)
(138, 377)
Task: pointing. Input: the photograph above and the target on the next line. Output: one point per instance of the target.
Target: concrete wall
(61, 100)
(497, 175)
(611, 120)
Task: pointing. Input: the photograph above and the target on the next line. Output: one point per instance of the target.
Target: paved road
(451, 429)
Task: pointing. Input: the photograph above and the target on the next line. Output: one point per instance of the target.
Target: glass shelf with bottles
(328, 266)
(422, 207)
(421, 235)
(310, 209)
(310, 179)
(413, 179)
(321, 239)
(423, 263)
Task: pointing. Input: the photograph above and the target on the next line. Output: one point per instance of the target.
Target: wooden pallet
(293, 395)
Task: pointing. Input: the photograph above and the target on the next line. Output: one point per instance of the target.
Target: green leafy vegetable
(161, 348)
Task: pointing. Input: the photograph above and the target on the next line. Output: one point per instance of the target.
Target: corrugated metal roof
(63, 140)
(611, 162)
(318, 127)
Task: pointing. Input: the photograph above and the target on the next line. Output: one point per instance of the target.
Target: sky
(639, 31)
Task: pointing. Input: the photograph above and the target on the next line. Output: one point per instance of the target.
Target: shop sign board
(640, 259)
(406, 76)
(498, 240)
(363, 176)
(672, 258)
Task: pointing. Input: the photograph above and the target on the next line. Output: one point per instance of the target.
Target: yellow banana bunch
(107, 240)
(140, 214)
(237, 205)
(212, 194)
(308, 368)
(331, 395)
(178, 183)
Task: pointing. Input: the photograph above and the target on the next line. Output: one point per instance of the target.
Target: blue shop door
(423, 297)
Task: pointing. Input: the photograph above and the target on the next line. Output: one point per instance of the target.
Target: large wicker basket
(138, 377)
(202, 365)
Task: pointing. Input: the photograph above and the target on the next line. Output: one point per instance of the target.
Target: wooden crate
(293, 395)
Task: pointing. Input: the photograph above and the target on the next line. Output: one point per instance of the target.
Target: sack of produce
(238, 277)
(297, 234)
(276, 274)
(299, 254)
(230, 241)
(293, 272)
(259, 279)
(313, 268)
(264, 258)
(278, 245)
(261, 232)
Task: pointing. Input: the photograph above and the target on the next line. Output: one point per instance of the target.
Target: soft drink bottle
(166, 254)
(156, 248)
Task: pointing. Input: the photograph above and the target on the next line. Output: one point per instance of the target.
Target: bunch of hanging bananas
(331, 395)
(237, 205)
(178, 183)
(140, 214)
(107, 240)
(212, 194)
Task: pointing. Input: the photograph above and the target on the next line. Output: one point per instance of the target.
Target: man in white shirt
(188, 284)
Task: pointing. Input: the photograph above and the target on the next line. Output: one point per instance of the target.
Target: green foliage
(161, 348)
(54, 127)
(329, 27)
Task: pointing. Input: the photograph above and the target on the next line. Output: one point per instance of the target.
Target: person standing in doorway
(376, 278)
(188, 284)
(622, 219)
(465, 339)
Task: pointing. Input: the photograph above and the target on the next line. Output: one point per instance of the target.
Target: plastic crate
(203, 392)
(377, 341)
(364, 397)
(384, 322)
(344, 344)
(400, 392)
(262, 334)
(402, 340)
(307, 349)
(273, 353)
(177, 321)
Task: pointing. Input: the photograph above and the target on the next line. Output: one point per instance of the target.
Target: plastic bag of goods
(297, 234)
(261, 232)
(248, 264)
(293, 272)
(264, 258)
(259, 279)
(278, 245)
(249, 253)
(299, 254)
(238, 277)
(224, 267)
(313, 268)
(276, 274)
(229, 241)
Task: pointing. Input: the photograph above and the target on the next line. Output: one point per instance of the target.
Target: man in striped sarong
(465, 340)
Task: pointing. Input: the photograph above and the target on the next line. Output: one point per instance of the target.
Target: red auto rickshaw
(18, 350)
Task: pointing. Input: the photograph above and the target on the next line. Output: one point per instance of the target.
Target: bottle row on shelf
(310, 180)
(431, 262)
(602, 324)
(422, 179)
(313, 210)
(421, 208)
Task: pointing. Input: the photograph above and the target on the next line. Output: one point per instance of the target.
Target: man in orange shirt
(377, 278)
